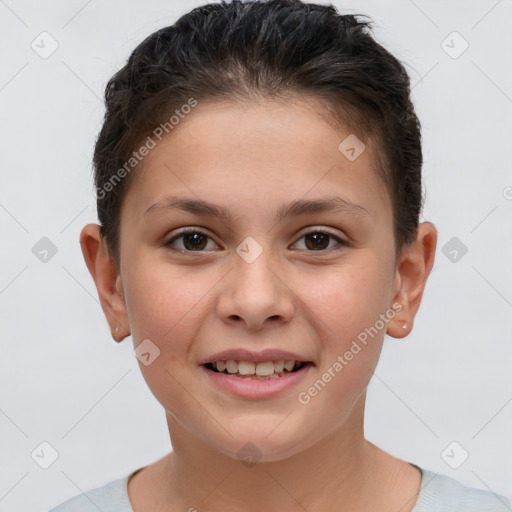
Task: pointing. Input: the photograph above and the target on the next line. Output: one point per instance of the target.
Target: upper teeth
(250, 368)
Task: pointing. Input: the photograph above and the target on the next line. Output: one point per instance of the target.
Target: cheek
(153, 305)
(345, 304)
(164, 304)
(346, 299)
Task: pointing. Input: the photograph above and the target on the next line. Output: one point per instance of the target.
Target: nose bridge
(253, 278)
(255, 275)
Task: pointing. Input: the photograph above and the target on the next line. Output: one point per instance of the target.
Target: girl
(258, 179)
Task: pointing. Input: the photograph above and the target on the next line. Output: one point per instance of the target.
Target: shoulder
(111, 497)
(441, 493)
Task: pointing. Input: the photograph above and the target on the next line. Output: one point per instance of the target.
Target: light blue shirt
(439, 493)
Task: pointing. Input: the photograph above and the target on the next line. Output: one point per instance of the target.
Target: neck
(342, 472)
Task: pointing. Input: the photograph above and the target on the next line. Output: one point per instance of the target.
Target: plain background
(64, 380)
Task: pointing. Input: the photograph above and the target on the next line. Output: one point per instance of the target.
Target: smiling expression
(293, 256)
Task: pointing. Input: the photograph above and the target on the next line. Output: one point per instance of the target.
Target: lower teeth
(258, 377)
(255, 377)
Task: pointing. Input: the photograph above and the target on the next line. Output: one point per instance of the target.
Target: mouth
(250, 370)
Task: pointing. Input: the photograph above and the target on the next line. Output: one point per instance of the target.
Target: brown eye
(320, 240)
(193, 241)
(317, 241)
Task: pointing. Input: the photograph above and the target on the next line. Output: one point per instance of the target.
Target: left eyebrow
(299, 207)
(327, 204)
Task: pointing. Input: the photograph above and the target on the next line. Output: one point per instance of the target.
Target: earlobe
(413, 269)
(106, 279)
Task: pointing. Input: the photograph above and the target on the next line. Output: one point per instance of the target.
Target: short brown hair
(263, 48)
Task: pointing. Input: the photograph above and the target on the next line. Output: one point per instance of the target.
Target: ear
(413, 269)
(107, 279)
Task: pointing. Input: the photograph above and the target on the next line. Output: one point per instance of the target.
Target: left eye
(194, 240)
(319, 239)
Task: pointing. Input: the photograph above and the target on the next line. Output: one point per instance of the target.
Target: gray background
(64, 380)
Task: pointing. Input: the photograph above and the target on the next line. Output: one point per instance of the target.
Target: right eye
(193, 241)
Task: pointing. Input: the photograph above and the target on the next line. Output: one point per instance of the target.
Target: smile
(264, 370)
(244, 379)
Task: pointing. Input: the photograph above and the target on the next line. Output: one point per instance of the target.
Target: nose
(255, 294)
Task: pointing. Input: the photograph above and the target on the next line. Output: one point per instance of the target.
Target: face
(264, 282)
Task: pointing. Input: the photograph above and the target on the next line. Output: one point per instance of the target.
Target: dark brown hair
(262, 49)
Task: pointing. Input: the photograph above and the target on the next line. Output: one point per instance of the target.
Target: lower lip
(252, 388)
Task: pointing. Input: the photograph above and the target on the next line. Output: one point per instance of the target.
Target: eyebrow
(333, 204)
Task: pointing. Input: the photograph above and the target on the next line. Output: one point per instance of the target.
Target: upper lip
(255, 357)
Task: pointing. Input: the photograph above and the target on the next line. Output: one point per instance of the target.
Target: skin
(253, 157)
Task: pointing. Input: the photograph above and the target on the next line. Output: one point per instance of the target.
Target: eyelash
(341, 242)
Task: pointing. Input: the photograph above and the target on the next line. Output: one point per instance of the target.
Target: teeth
(246, 368)
(231, 366)
(268, 369)
(289, 365)
(279, 366)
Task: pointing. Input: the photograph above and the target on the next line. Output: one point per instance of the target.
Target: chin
(264, 444)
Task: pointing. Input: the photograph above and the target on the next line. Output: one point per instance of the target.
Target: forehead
(232, 152)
